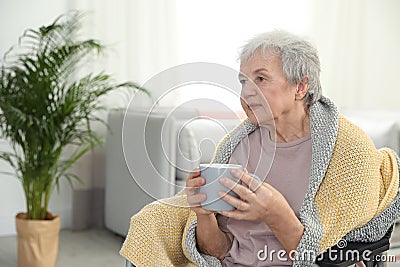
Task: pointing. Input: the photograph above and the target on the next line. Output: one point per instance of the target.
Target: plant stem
(46, 197)
(26, 185)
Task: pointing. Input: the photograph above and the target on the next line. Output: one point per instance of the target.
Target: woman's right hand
(193, 194)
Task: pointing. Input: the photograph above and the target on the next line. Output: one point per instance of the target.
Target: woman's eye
(242, 82)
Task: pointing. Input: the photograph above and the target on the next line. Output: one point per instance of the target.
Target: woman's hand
(210, 239)
(259, 201)
(194, 196)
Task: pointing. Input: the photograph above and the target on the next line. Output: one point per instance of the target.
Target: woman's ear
(302, 89)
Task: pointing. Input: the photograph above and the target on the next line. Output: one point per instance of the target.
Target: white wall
(358, 42)
(15, 17)
(357, 39)
(213, 31)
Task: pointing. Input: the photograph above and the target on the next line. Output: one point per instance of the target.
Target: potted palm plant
(45, 106)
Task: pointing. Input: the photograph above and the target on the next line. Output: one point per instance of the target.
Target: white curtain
(213, 31)
(358, 41)
(149, 36)
(141, 37)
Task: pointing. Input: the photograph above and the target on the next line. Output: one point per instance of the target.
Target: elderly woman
(280, 71)
(321, 177)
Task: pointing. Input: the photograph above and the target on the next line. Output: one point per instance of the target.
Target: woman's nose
(248, 90)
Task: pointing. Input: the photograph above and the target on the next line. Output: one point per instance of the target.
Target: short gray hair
(299, 59)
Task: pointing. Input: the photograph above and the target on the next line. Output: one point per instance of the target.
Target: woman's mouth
(254, 106)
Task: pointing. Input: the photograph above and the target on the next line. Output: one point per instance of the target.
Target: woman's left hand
(258, 201)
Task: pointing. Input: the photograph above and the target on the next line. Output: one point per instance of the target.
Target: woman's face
(265, 89)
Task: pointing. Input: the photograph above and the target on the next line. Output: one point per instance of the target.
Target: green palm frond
(44, 107)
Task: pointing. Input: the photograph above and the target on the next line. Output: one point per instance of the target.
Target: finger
(200, 210)
(194, 173)
(251, 180)
(243, 192)
(195, 200)
(235, 202)
(238, 173)
(195, 182)
(234, 214)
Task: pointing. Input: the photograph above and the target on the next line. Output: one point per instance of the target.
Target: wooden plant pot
(37, 241)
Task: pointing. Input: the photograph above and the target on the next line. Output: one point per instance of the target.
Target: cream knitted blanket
(353, 194)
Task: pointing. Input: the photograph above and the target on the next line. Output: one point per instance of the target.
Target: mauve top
(287, 170)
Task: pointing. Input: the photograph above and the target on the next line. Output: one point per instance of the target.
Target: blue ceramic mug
(212, 173)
